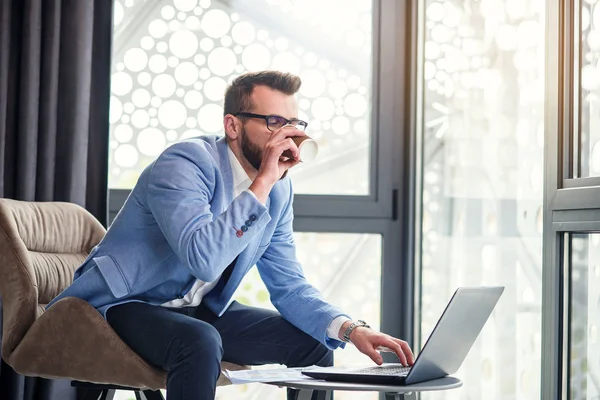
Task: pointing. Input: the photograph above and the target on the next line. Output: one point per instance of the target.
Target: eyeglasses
(275, 122)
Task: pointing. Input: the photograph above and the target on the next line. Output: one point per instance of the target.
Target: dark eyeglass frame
(302, 125)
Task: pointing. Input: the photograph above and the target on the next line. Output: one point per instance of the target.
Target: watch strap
(352, 327)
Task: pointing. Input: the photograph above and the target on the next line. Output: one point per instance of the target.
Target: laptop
(443, 353)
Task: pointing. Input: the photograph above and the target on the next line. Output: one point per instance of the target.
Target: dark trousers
(189, 343)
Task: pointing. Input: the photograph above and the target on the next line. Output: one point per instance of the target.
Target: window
(584, 292)
(172, 62)
(572, 210)
(588, 130)
(483, 140)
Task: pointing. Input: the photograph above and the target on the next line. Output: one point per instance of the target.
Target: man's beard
(253, 153)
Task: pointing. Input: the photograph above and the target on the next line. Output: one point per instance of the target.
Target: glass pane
(173, 59)
(590, 88)
(584, 346)
(483, 71)
(346, 268)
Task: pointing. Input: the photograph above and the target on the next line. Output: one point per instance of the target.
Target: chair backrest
(41, 245)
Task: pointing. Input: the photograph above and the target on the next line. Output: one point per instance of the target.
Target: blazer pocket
(113, 276)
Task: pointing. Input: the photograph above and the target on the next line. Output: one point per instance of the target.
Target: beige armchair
(41, 245)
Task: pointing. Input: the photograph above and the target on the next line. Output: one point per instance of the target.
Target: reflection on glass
(173, 60)
(346, 268)
(584, 348)
(483, 80)
(590, 88)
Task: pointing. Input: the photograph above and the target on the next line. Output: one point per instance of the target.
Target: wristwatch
(352, 327)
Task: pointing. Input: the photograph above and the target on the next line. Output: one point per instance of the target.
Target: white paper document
(267, 375)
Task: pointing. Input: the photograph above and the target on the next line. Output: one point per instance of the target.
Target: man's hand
(367, 341)
(273, 164)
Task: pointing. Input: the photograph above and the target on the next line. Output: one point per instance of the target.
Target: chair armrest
(72, 340)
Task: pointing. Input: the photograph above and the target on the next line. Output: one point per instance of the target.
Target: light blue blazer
(181, 223)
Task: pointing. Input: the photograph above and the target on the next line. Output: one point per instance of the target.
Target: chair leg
(108, 394)
(89, 394)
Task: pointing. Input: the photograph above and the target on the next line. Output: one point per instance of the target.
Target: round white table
(325, 388)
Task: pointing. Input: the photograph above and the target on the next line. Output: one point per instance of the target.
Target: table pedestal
(306, 394)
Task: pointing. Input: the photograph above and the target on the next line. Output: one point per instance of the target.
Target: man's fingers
(375, 356)
(287, 144)
(396, 347)
(374, 342)
(289, 163)
(406, 349)
(398, 350)
(291, 146)
(280, 147)
(285, 132)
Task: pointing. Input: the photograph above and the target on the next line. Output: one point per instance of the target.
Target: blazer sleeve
(180, 188)
(298, 301)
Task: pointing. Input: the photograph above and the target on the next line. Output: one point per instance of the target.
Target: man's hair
(237, 95)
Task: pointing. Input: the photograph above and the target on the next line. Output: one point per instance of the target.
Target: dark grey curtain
(54, 101)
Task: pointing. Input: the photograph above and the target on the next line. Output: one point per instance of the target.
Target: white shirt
(193, 298)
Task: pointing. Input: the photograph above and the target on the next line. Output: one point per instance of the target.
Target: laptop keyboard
(385, 370)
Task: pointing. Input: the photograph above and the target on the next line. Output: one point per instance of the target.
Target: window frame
(571, 203)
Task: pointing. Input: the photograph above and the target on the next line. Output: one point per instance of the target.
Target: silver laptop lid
(455, 332)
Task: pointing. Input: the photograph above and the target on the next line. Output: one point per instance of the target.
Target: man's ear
(232, 126)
